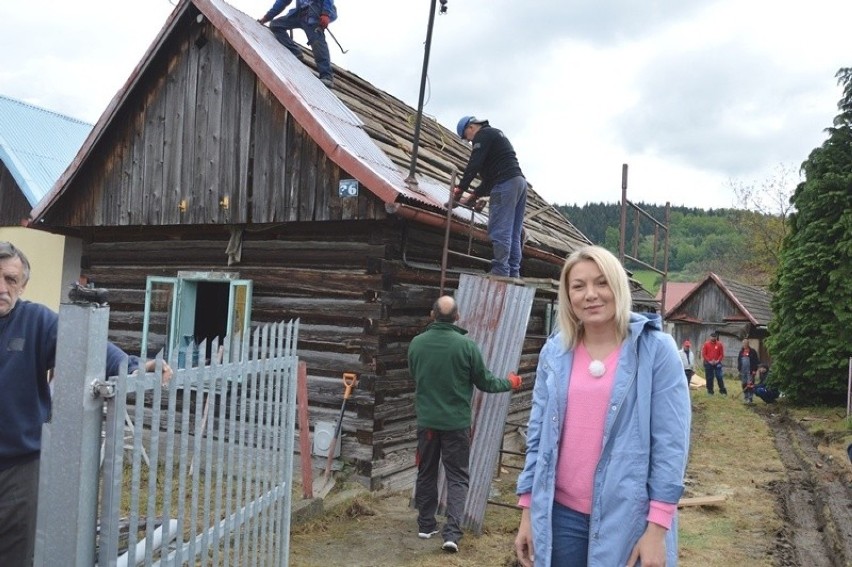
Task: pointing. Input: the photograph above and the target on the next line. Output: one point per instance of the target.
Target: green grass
(648, 279)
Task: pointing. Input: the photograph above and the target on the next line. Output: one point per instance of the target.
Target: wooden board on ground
(701, 501)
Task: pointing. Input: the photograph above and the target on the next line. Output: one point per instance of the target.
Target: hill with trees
(724, 241)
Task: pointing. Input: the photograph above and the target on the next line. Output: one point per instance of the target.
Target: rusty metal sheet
(496, 315)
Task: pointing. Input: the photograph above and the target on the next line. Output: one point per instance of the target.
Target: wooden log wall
(359, 299)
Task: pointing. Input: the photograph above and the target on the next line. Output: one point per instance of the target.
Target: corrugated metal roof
(36, 145)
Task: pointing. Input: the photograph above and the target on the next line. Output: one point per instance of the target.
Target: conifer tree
(811, 333)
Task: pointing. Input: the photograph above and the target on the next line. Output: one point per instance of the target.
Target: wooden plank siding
(203, 131)
(14, 207)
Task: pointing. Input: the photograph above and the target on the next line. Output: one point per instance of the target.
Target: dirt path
(815, 500)
(813, 496)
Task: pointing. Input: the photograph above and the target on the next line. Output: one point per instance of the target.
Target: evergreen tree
(811, 333)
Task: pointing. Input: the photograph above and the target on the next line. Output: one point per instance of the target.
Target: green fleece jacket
(446, 365)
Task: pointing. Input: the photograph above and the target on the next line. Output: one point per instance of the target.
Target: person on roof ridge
(313, 17)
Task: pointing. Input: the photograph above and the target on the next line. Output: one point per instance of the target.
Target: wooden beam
(701, 501)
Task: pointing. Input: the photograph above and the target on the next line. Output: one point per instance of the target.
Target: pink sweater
(582, 439)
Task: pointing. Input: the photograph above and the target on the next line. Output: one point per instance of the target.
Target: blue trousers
(570, 537)
(711, 371)
(316, 39)
(506, 207)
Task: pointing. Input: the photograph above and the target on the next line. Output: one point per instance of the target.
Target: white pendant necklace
(597, 368)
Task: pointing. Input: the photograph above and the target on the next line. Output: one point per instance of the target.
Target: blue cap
(465, 120)
(463, 123)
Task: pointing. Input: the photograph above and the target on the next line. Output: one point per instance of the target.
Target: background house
(736, 310)
(675, 292)
(224, 156)
(36, 145)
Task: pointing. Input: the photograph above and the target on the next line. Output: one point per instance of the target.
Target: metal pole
(447, 232)
(623, 212)
(665, 261)
(849, 392)
(70, 463)
(419, 119)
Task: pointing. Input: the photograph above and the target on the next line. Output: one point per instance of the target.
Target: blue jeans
(711, 371)
(506, 207)
(570, 537)
(316, 39)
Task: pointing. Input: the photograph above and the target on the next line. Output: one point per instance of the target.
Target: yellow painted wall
(45, 252)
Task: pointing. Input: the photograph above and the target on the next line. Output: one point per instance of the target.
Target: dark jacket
(27, 352)
(493, 159)
(752, 357)
(446, 365)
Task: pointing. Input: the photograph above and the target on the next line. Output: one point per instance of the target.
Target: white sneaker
(426, 535)
(450, 547)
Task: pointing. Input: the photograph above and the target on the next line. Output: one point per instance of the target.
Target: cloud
(725, 108)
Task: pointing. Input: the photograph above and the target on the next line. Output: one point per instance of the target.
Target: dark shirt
(27, 351)
(493, 159)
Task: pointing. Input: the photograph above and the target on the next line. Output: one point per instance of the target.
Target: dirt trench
(815, 500)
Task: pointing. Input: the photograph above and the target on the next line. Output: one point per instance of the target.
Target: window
(193, 307)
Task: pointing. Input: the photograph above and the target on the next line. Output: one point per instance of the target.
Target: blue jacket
(27, 352)
(313, 9)
(645, 443)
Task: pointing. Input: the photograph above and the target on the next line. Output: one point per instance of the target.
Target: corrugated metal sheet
(496, 315)
(36, 145)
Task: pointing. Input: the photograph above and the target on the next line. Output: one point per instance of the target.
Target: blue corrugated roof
(36, 145)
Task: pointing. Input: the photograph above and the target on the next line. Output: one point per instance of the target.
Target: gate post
(70, 454)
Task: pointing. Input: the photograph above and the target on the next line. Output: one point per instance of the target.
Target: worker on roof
(313, 17)
(493, 159)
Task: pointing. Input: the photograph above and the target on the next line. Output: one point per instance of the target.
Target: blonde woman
(608, 432)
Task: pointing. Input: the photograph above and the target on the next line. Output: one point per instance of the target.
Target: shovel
(350, 380)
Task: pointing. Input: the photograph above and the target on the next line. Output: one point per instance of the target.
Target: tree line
(729, 242)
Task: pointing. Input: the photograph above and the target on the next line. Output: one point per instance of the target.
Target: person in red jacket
(713, 353)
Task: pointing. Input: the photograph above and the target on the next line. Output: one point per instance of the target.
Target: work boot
(327, 81)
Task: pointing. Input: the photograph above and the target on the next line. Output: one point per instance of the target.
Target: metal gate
(194, 471)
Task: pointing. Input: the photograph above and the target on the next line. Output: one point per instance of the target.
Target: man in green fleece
(446, 365)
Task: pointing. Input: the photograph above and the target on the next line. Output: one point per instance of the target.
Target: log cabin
(224, 159)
